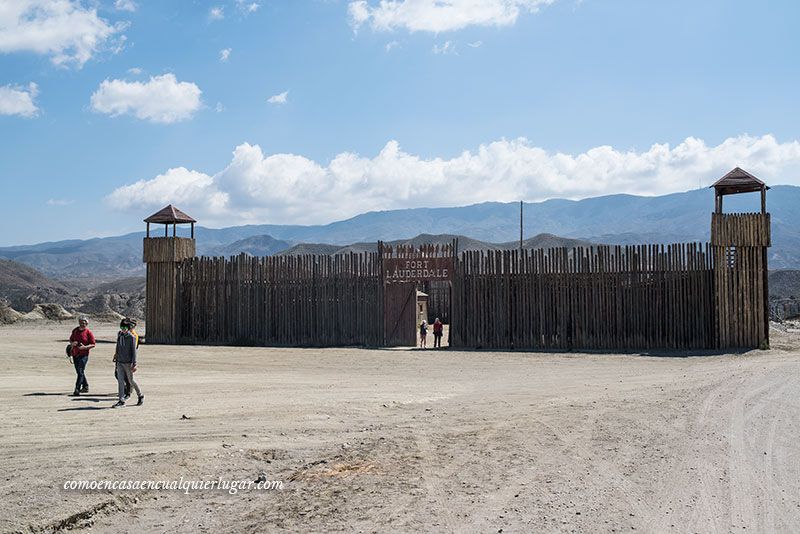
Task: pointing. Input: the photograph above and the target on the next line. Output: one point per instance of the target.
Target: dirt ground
(403, 440)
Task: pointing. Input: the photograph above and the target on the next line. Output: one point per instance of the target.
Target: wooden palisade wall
(281, 300)
(681, 296)
(604, 297)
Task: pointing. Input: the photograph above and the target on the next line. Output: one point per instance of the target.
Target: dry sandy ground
(377, 440)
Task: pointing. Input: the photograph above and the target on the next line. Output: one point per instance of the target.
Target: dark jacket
(126, 348)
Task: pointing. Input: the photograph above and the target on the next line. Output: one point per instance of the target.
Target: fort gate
(404, 269)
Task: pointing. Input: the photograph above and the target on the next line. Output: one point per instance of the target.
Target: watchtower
(162, 256)
(739, 242)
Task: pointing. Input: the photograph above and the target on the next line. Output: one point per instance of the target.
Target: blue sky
(131, 105)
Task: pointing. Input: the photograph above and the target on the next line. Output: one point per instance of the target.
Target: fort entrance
(406, 270)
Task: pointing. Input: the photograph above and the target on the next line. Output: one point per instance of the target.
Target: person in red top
(438, 330)
(82, 341)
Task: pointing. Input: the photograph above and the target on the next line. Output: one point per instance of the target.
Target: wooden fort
(676, 296)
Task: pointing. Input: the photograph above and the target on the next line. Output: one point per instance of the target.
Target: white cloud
(438, 15)
(135, 71)
(61, 29)
(162, 99)
(448, 47)
(279, 99)
(219, 108)
(59, 202)
(287, 188)
(126, 5)
(15, 100)
(216, 13)
(476, 44)
(247, 7)
(392, 45)
(225, 54)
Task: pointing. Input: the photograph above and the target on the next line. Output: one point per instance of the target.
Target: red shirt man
(82, 340)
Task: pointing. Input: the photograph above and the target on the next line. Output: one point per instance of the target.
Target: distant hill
(785, 284)
(464, 244)
(133, 285)
(302, 249)
(16, 276)
(784, 294)
(22, 286)
(614, 219)
(105, 258)
(257, 245)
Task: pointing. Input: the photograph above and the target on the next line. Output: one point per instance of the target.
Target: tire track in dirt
(629, 492)
(627, 489)
(433, 481)
(705, 514)
(719, 405)
(746, 483)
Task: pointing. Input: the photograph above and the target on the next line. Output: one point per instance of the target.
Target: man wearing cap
(82, 341)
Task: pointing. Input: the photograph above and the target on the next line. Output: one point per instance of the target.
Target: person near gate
(438, 331)
(423, 334)
(82, 341)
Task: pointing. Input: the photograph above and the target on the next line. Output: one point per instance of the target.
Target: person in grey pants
(125, 356)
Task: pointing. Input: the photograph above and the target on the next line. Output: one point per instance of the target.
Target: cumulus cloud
(247, 7)
(216, 13)
(126, 5)
(135, 71)
(438, 15)
(15, 100)
(225, 54)
(162, 99)
(287, 188)
(62, 29)
(279, 99)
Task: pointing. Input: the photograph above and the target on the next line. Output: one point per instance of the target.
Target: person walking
(131, 323)
(125, 358)
(423, 334)
(82, 341)
(438, 331)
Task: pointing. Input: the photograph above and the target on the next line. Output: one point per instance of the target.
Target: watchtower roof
(169, 215)
(738, 181)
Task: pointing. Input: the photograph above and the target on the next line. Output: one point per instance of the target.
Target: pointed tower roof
(169, 215)
(738, 181)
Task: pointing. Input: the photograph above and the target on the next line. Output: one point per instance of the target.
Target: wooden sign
(417, 269)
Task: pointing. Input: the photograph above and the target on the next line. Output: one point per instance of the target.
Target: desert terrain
(402, 440)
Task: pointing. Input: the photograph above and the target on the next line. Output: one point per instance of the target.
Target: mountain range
(613, 219)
